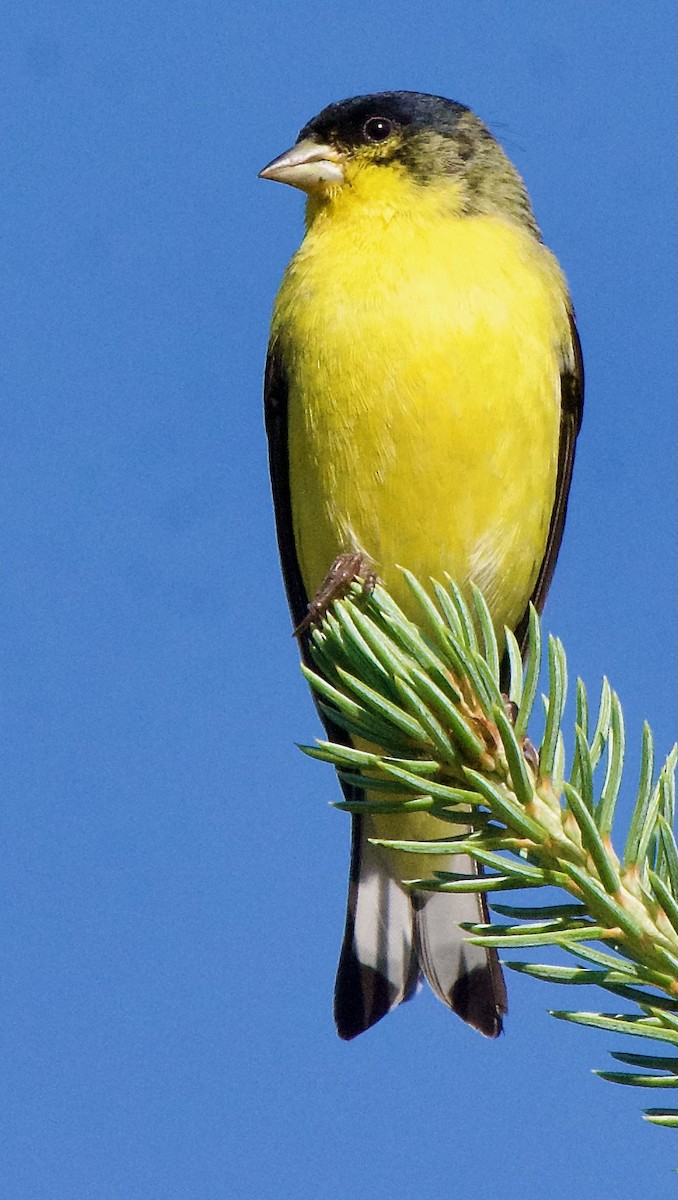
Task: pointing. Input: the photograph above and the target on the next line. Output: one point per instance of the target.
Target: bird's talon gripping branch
(351, 567)
(531, 756)
(530, 753)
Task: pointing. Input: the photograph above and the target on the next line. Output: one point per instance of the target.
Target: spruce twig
(437, 735)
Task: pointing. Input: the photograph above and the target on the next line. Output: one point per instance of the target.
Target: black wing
(571, 411)
(275, 417)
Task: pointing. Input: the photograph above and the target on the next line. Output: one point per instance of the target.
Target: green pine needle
(436, 736)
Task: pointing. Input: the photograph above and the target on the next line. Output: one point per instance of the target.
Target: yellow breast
(423, 354)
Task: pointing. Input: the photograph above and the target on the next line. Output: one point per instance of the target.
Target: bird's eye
(377, 129)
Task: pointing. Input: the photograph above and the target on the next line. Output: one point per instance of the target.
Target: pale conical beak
(308, 166)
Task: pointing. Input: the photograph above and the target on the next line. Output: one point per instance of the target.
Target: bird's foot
(348, 568)
(531, 755)
(529, 750)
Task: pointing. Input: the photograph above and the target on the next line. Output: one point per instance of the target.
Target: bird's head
(376, 144)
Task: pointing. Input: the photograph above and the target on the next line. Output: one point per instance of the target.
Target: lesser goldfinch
(424, 391)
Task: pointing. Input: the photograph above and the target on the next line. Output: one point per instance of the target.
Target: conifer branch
(436, 732)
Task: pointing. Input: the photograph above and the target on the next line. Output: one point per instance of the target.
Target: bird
(423, 396)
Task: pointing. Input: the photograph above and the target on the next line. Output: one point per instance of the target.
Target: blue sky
(173, 880)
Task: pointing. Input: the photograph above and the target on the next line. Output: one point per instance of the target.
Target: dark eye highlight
(377, 129)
